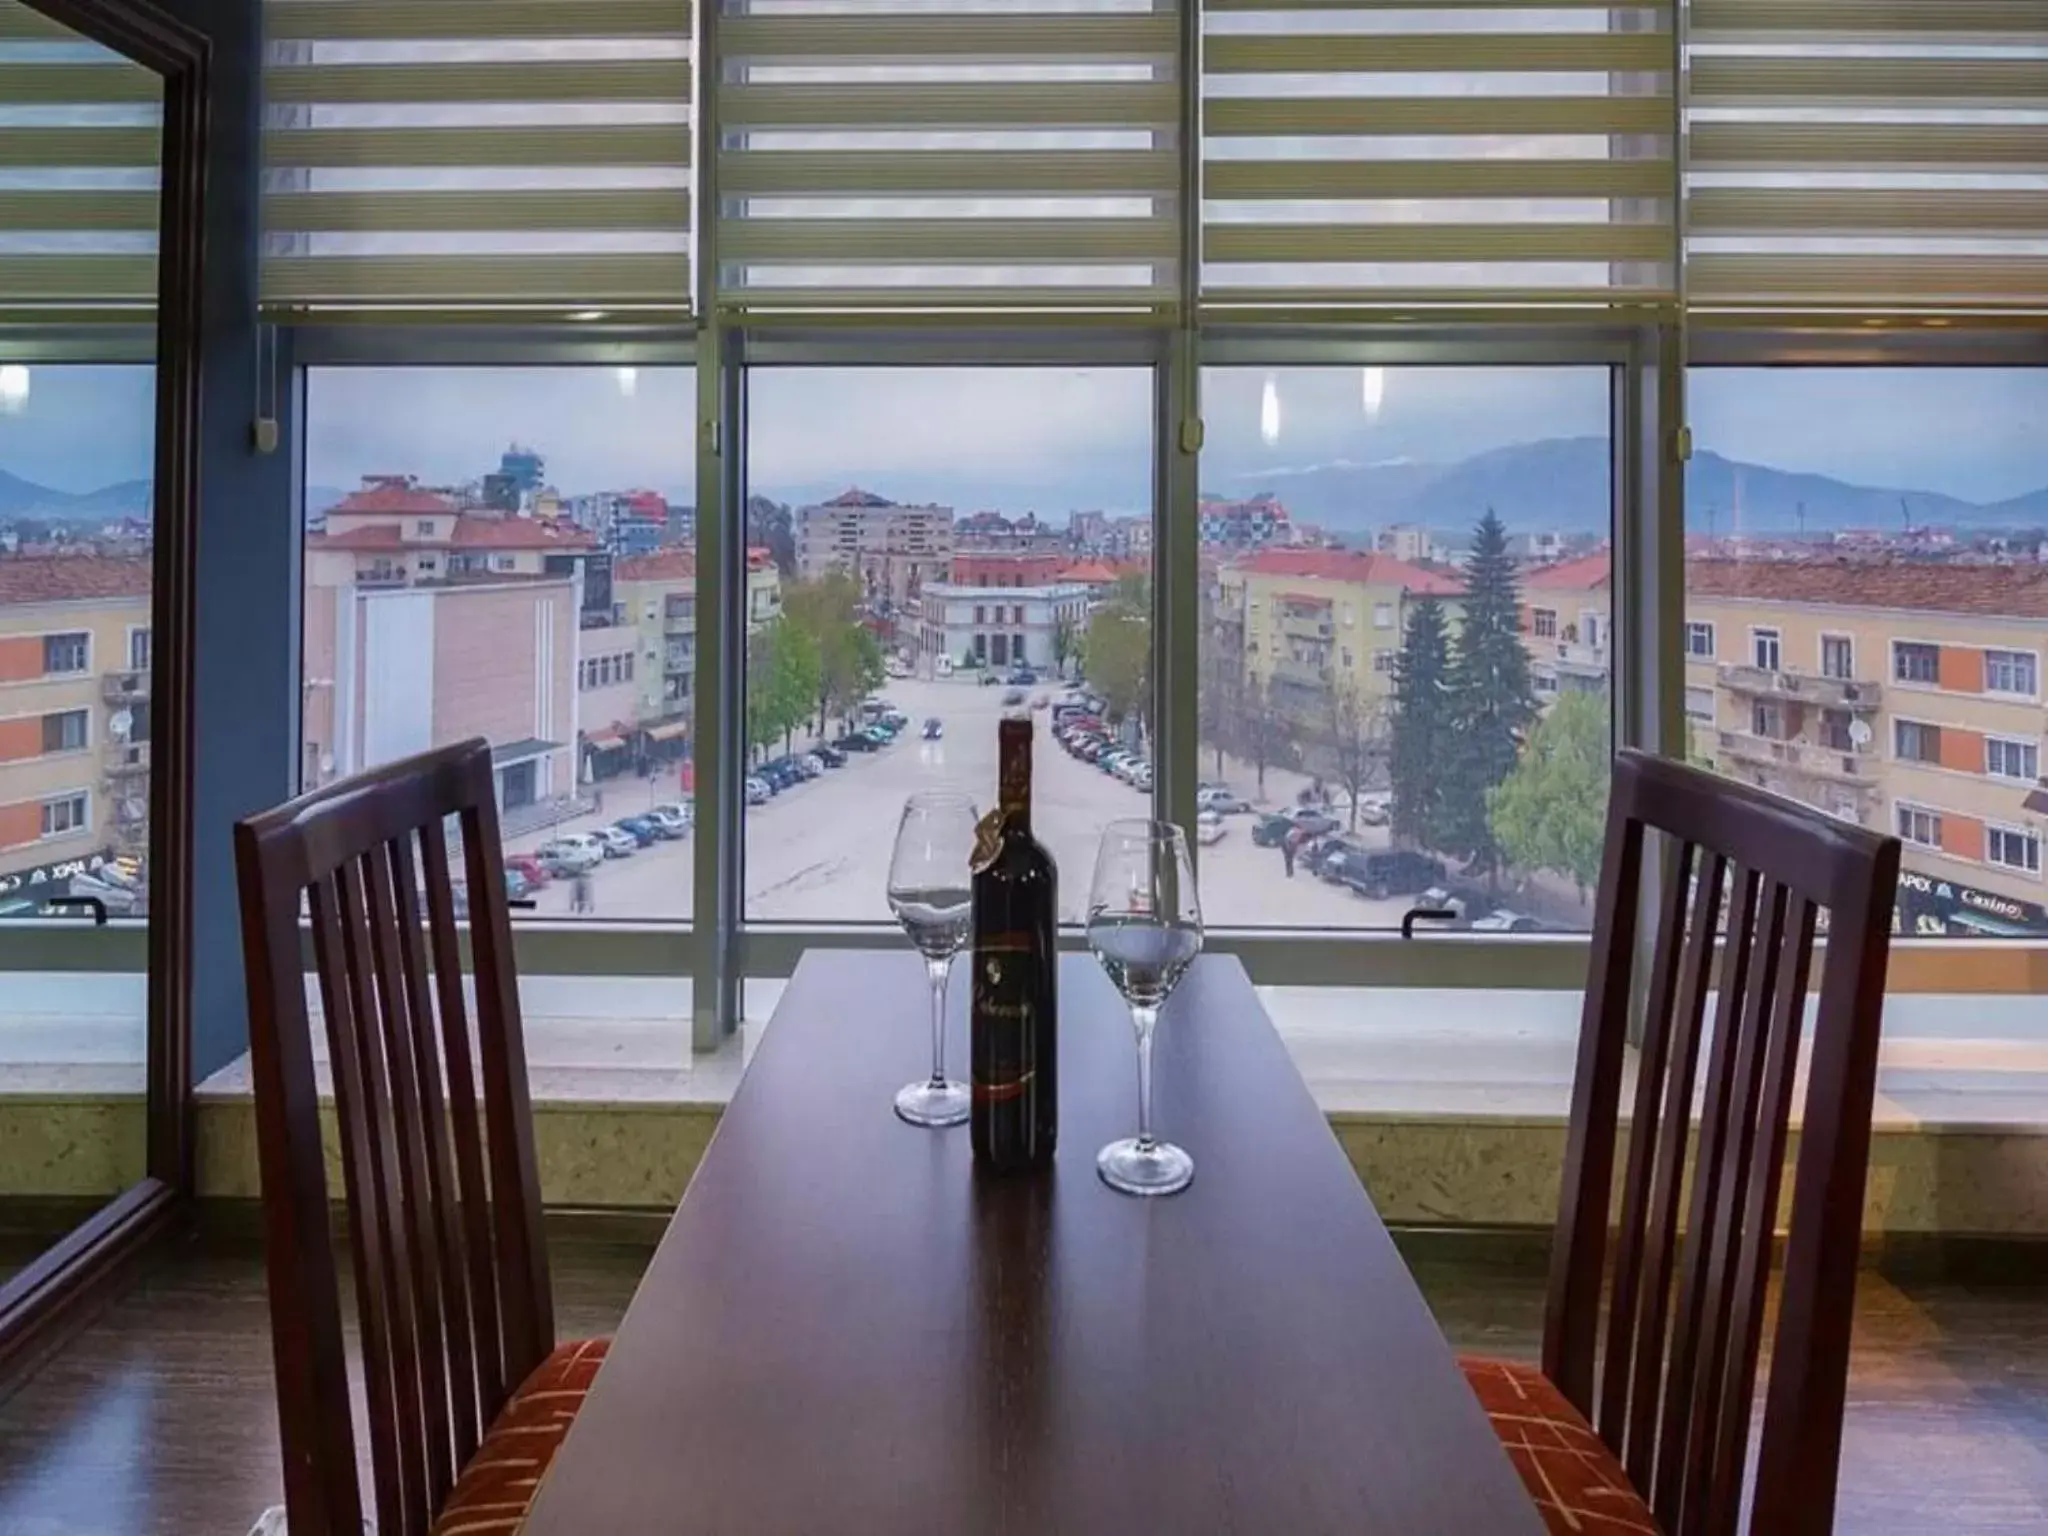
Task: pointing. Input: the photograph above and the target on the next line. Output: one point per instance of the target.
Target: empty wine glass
(1145, 926)
(931, 893)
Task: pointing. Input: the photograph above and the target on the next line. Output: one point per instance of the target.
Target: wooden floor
(160, 1419)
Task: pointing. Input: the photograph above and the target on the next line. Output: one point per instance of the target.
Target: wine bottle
(1014, 1041)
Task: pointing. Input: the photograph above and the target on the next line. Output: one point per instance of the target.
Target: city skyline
(1055, 439)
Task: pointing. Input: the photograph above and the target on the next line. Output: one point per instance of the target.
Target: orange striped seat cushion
(1576, 1481)
(497, 1487)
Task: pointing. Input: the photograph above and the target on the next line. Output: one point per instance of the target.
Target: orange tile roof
(1091, 572)
(1352, 566)
(662, 565)
(71, 578)
(1585, 574)
(470, 532)
(2008, 591)
(396, 495)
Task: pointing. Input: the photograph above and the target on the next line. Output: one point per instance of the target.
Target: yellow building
(1566, 625)
(1311, 621)
(74, 717)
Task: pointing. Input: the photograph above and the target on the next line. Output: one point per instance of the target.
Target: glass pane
(81, 128)
(936, 546)
(1405, 645)
(510, 553)
(1865, 598)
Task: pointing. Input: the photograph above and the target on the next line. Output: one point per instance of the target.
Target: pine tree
(1492, 699)
(1420, 741)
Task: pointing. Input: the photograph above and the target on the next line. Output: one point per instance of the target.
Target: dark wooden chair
(1650, 1396)
(467, 1393)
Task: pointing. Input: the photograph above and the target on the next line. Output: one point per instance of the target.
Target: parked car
(1013, 697)
(1501, 920)
(1270, 831)
(1325, 855)
(1374, 810)
(676, 817)
(517, 886)
(618, 842)
(757, 790)
(1388, 872)
(1316, 823)
(1022, 677)
(856, 741)
(531, 868)
(1221, 799)
(988, 680)
(1209, 827)
(880, 735)
(813, 763)
(934, 729)
(645, 828)
(1141, 777)
(572, 853)
(830, 756)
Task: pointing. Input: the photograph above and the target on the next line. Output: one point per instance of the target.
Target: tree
(1551, 811)
(782, 668)
(1420, 735)
(1221, 705)
(1492, 699)
(849, 662)
(1119, 650)
(1357, 735)
(1066, 640)
(1267, 729)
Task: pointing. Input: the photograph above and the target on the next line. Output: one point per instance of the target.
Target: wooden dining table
(848, 1329)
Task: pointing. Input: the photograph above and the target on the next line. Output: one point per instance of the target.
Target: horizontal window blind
(1868, 154)
(80, 157)
(477, 155)
(948, 153)
(1402, 152)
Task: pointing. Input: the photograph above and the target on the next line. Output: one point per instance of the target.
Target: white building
(999, 626)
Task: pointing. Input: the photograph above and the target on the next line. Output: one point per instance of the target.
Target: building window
(2013, 848)
(1915, 663)
(67, 653)
(1382, 615)
(1382, 661)
(65, 732)
(980, 613)
(1699, 641)
(2010, 672)
(1544, 682)
(1345, 652)
(1543, 623)
(1699, 703)
(1921, 828)
(1915, 742)
(1767, 719)
(504, 563)
(424, 527)
(1017, 648)
(64, 816)
(2005, 758)
(1764, 650)
(139, 649)
(1589, 629)
(1837, 657)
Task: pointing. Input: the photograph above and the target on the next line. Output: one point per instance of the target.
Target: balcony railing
(1287, 669)
(125, 760)
(1803, 757)
(1834, 692)
(125, 687)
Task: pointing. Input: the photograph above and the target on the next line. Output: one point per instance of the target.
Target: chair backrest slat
(1677, 1359)
(435, 1126)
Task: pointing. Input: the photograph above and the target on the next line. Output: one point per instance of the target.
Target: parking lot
(819, 852)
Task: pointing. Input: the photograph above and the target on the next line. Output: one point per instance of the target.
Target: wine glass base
(1161, 1169)
(933, 1104)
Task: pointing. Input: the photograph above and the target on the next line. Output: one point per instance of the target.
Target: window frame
(1997, 830)
(2012, 743)
(2014, 658)
(1694, 628)
(1757, 641)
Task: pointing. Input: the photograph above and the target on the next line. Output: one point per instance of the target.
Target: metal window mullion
(721, 634)
(1176, 579)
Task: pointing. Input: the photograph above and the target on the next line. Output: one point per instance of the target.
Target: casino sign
(1930, 907)
(50, 879)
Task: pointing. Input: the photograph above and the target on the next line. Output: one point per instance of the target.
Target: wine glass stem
(1145, 1019)
(938, 970)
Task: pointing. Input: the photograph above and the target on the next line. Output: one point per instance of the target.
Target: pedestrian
(580, 894)
(1287, 848)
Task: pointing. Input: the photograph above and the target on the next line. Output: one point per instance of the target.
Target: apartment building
(426, 624)
(1308, 621)
(74, 718)
(1258, 522)
(893, 549)
(1007, 568)
(654, 601)
(1566, 625)
(1902, 696)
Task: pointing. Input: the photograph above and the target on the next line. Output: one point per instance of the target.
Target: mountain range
(1562, 484)
(1556, 484)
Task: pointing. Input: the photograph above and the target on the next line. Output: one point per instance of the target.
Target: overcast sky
(1051, 439)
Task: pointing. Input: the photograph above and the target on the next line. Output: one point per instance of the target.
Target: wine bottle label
(1005, 1010)
(1013, 770)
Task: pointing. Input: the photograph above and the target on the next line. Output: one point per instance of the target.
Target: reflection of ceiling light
(1375, 391)
(13, 387)
(1269, 412)
(629, 382)
(587, 314)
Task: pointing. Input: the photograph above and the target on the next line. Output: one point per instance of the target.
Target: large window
(1885, 525)
(509, 553)
(1404, 676)
(932, 548)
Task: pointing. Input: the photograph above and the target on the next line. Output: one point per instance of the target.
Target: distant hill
(1563, 484)
(24, 498)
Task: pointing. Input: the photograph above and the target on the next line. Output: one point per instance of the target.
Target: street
(819, 852)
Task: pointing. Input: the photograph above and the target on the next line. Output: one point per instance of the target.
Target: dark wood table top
(846, 1330)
